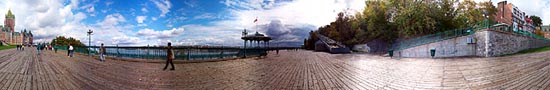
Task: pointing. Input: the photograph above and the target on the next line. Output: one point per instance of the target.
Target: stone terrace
(287, 70)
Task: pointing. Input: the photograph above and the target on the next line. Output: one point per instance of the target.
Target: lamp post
(89, 39)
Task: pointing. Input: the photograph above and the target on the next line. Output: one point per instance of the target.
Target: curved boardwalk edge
(287, 70)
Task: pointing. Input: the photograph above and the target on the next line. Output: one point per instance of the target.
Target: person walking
(38, 48)
(103, 52)
(170, 57)
(71, 50)
(68, 51)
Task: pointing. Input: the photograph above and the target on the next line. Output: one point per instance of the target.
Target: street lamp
(89, 39)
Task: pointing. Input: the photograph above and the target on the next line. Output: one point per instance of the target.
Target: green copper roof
(10, 15)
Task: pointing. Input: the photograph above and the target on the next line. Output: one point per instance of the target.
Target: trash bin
(391, 53)
(432, 52)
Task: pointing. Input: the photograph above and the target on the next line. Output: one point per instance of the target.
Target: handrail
(440, 36)
(180, 52)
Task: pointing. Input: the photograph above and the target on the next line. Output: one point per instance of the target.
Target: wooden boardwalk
(24, 70)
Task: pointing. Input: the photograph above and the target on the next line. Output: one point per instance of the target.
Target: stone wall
(497, 43)
(455, 47)
(488, 43)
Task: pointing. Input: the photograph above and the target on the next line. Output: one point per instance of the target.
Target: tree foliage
(63, 41)
(537, 22)
(389, 20)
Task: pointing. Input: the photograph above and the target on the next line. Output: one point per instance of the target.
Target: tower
(10, 21)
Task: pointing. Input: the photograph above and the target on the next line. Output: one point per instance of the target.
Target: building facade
(545, 29)
(9, 36)
(511, 15)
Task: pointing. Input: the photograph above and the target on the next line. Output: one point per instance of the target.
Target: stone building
(8, 34)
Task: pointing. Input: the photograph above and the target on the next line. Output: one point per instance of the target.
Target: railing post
(117, 52)
(147, 51)
(188, 55)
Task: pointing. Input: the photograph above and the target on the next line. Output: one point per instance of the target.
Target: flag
(255, 20)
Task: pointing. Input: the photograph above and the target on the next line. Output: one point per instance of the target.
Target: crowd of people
(102, 52)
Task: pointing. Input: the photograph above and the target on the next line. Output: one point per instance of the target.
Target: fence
(417, 41)
(486, 24)
(181, 53)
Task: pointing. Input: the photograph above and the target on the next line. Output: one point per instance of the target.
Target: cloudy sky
(182, 22)
(188, 22)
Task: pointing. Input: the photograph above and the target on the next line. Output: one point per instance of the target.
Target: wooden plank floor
(24, 70)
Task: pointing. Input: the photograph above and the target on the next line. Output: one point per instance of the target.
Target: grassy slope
(534, 50)
(7, 47)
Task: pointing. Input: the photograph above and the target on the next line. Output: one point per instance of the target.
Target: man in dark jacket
(68, 51)
(170, 57)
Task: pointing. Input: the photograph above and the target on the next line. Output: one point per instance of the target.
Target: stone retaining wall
(488, 43)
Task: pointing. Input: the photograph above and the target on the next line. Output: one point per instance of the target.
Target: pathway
(288, 70)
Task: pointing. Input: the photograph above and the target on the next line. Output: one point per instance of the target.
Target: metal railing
(440, 36)
(181, 53)
(426, 39)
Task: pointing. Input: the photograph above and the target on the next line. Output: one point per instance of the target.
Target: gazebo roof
(256, 37)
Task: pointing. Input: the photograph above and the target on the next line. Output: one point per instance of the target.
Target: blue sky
(188, 22)
(182, 22)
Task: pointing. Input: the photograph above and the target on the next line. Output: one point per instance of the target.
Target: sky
(189, 22)
(182, 22)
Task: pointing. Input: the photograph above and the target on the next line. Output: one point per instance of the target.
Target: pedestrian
(277, 51)
(17, 47)
(38, 48)
(68, 51)
(55, 49)
(170, 57)
(71, 50)
(103, 52)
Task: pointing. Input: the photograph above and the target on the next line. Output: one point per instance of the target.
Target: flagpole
(257, 28)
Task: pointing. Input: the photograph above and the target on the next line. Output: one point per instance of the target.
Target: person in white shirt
(71, 50)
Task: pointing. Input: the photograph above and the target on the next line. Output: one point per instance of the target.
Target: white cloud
(91, 9)
(164, 34)
(127, 41)
(205, 16)
(144, 10)
(140, 20)
(295, 16)
(109, 3)
(163, 5)
(112, 20)
(314, 12)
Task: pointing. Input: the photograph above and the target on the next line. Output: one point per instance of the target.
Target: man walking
(170, 57)
(103, 52)
(38, 47)
(68, 51)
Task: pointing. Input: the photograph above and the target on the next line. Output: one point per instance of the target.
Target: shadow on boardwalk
(287, 70)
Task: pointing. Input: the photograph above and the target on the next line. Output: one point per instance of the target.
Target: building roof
(257, 36)
(10, 15)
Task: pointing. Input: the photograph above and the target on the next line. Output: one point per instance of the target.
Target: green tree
(536, 20)
(468, 8)
(489, 9)
(413, 20)
(63, 41)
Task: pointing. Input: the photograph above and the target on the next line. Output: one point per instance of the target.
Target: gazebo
(257, 37)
